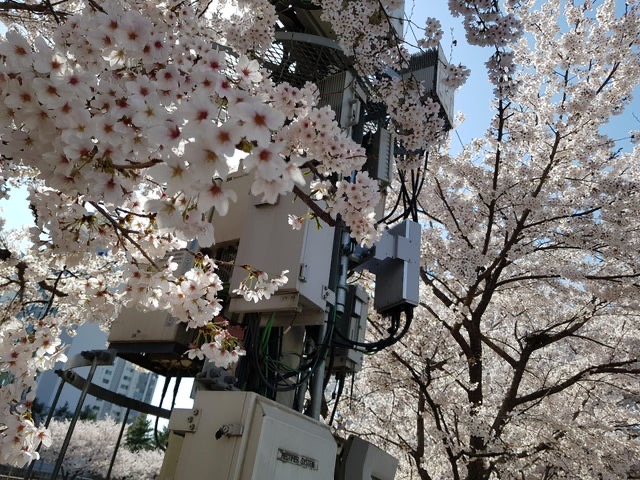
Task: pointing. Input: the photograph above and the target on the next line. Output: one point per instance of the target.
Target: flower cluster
(432, 34)
(416, 117)
(257, 285)
(20, 437)
(217, 344)
(485, 23)
(455, 75)
(190, 296)
(40, 299)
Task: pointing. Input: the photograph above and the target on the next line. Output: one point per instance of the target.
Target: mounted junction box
(353, 326)
(396, 264)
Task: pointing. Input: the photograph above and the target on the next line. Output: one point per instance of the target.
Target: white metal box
(265, 441)
(134, 326)
(268, 243)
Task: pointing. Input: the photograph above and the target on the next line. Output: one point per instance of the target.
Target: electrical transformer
(343, 94)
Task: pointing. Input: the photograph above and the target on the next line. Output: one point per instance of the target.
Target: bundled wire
(341, 381)
(395, 333)
(275, 375)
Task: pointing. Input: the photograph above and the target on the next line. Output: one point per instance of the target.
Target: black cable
(372, 347)
(341, 380)
(303, 372)
(332, 356)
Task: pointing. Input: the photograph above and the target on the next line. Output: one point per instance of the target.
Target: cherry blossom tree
(91, 449)
(524, 359)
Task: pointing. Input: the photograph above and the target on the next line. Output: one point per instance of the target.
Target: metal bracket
(184, 420)
(230, 430)
(328, 295)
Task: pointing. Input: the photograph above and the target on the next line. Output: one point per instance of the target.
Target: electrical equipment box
(427, 67)
(155, 340)
(135, 326)
(244, 436)
(361, 460)
(229, 228)
(396, 264)
(270, 244)
(380, 156)
(343, 94)
(352, 326)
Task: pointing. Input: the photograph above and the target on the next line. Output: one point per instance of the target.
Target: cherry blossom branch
(562, 217)
(45, 7)
(53, 290)
(620, 367)
(136, 166)
(496, 169)
(315, 208)
(123, 231)
(501, 352)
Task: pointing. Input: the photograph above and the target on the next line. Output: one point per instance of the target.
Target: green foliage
(63, 412)
(39, 411)
(139, 435)
(88, 413)
(162, 439)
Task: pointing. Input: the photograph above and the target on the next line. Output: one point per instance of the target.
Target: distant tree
(523, 358)
(139, 435)
(63, 412)
(39, 411)
(162, 439)
(88, 413)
